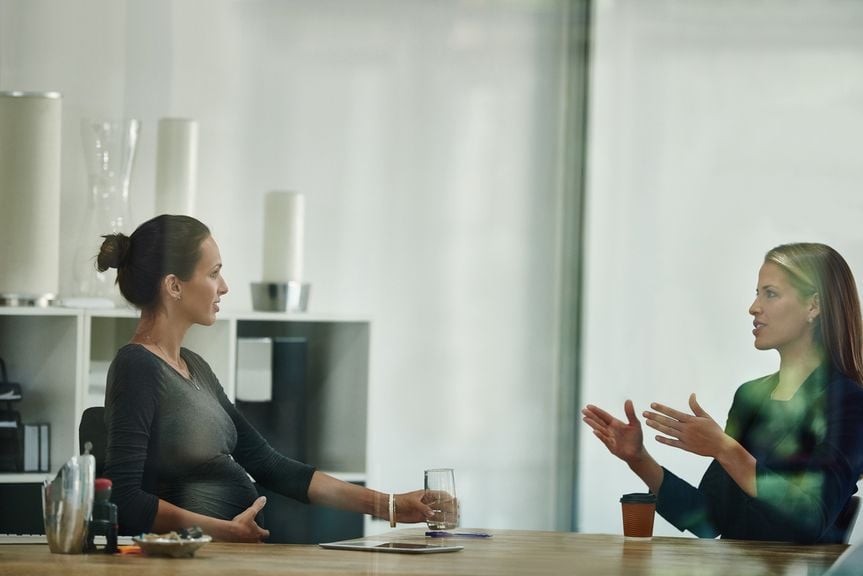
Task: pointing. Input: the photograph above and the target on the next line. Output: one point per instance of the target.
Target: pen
(441, 534)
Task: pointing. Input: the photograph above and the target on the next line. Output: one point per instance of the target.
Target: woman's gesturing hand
(697, 432)
(623, 439)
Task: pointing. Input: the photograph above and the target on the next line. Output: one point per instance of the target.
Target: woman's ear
(173, 287)
(814, 307)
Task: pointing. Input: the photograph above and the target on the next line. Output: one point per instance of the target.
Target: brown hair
(160, 246)
(818, 269)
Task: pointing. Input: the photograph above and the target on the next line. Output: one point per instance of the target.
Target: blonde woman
(788, 461)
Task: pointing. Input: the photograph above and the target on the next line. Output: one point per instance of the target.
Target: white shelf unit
(60, 356)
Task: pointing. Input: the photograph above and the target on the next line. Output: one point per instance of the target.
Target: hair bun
(114, 252)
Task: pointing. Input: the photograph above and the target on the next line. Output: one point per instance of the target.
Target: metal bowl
(280, 296)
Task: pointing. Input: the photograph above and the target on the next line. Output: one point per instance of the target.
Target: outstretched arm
(329, 491)
(626, 441)
(700, 434)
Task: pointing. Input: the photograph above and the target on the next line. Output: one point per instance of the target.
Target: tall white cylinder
(283, 236)
(30, 131)
(176, 166)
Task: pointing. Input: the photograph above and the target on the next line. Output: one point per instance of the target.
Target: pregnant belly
(219, 489)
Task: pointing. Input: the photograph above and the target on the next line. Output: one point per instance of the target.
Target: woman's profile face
(780, 315)
(201, 293)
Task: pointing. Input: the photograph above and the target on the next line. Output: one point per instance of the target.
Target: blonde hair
(817, 269)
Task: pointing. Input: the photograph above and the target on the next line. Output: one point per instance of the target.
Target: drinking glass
(440, 495)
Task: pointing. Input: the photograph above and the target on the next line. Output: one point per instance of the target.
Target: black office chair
(845, 521)
(92, 429)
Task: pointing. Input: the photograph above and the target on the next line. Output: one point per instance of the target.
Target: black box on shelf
(21, 503)
(11, 434)
(10, 441)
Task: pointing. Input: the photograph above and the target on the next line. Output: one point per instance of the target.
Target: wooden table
(508, 552)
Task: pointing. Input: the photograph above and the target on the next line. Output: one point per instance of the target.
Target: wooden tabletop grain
(507, 552)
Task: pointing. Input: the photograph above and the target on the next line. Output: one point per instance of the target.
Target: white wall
(424, 135)
(717, 130)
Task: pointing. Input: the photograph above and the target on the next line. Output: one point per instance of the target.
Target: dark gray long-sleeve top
(184, 442)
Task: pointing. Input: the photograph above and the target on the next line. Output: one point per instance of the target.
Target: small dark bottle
(104, 522)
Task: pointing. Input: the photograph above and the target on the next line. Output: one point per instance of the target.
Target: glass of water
(440, 495)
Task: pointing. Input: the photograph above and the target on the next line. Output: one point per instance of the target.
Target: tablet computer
(402, 547)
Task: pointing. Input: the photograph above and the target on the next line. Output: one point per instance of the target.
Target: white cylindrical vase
(284, 213)
(176, 166)
(30, 135)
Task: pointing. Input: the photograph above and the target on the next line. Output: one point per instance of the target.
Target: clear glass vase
(109, 153)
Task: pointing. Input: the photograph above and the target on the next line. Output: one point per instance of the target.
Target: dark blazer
(809, 456)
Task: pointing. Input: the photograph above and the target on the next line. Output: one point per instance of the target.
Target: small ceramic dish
(155, 545)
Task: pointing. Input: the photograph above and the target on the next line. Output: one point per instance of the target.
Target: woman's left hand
(411, 508)
(697, 432)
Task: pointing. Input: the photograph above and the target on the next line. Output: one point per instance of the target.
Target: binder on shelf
(31, 448)
(37, 440)
(44, 448)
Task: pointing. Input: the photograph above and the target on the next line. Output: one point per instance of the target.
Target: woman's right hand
(243, 527)
(623, 439)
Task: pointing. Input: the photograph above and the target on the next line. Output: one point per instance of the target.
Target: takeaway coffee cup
(638, 512)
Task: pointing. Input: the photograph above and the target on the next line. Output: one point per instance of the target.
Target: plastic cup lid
(638, 498)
